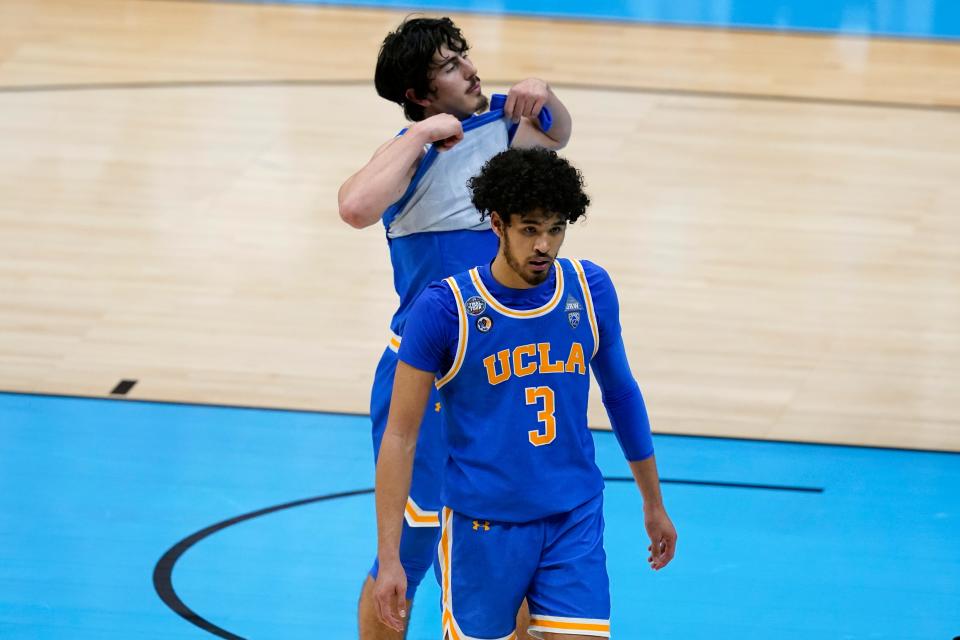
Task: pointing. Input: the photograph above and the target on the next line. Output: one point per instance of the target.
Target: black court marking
(123, 387)
(357, 414)
(726, 485)
(163, 571)
(656, 91)
(181, 84)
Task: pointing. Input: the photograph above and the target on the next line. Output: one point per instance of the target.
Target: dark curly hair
(406, 58)
(519, 181)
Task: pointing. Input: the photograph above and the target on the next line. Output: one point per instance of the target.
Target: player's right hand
(390, 595)
(443, 130)
(663, 537)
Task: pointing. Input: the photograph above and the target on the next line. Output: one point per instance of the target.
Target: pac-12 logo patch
(484, 324)
(476, 306)
(573, 312)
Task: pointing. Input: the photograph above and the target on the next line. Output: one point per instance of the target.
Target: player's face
(454, 85)
(529, 245)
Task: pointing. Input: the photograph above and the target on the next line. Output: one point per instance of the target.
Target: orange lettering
(545, 365)
(490, 363)
(519, 367)
(575, 362)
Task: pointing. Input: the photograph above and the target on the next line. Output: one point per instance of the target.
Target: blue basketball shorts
(421, 527)
(557, 563)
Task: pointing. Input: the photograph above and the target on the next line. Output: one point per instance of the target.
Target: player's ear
(411, 95)
(496, 222)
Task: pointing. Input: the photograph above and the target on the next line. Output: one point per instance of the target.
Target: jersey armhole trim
(391, 212)
(588, 300)
(462, 335)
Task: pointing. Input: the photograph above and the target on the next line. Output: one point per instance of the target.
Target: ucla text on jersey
(515, 399)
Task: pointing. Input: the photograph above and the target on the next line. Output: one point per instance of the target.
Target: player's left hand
(663, 538)
(389, 594)
(526, 98)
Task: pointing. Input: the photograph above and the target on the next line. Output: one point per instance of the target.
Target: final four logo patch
(484, 324)
(476, 306)
(573, 309)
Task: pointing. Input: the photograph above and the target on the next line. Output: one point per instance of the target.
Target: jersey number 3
(547, 433)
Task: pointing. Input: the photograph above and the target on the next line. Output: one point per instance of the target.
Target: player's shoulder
(437, 292)
(594, 273)
(435, 306)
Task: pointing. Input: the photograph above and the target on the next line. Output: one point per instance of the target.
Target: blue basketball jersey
(515, 402)
(434, 230)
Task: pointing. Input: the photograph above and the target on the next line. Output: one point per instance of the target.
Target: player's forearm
(411, 388)
(366, 194)
(562, 125)
(648, 481)
(623, 401)
(394, 469)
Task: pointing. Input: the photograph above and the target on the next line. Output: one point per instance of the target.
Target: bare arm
(663, 536)
(411, 389)
(524, 102)
(382, 181)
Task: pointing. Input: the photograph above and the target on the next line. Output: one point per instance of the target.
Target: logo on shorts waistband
(485, 524)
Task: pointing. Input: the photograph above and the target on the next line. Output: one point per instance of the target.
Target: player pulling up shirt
(416, 185)
(508, 346)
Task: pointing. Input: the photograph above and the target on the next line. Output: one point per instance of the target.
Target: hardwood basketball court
(777, 210)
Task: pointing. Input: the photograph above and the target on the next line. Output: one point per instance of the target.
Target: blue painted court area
(94, 492)
(932, 19)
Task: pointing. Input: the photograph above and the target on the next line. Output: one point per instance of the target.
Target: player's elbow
(352, 217)
(402, 438)
(355, 214)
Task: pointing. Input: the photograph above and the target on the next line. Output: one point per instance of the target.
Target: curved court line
(163, 571)
(578, 86)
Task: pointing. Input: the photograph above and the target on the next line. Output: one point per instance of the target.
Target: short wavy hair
(519, 181)
(406, 58)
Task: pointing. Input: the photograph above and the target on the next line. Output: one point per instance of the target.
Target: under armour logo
(436, 407)
(485, 524)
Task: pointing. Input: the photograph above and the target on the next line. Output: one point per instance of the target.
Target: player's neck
(506, 276)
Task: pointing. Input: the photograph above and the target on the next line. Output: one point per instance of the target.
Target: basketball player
(508, 344)
(416, 185)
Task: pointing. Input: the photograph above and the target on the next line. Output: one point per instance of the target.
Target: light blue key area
(94, 492)
(932, 19)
